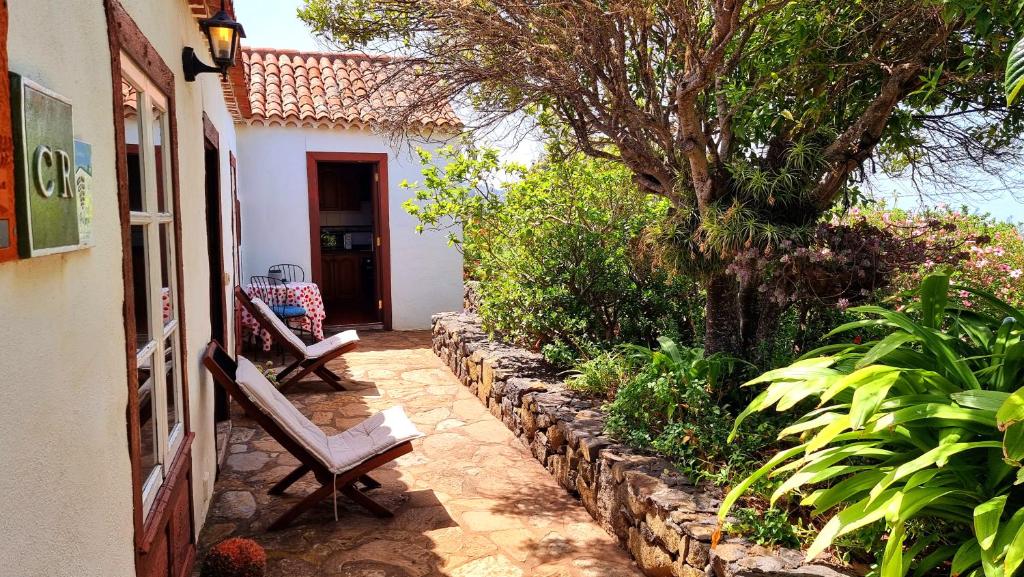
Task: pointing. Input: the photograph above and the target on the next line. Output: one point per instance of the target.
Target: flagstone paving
(469, 501)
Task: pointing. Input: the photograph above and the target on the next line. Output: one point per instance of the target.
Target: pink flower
(1015, 273)
(843, 304)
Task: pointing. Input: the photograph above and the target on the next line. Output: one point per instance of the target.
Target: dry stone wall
(663, 520)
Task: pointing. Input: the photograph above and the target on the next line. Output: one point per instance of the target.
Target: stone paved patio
(470, 501)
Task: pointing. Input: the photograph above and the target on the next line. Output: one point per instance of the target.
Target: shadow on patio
(469, 501)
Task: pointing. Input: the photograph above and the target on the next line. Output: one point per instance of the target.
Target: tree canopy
(753, 117)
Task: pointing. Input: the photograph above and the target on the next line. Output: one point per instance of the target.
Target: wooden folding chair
(337, 462)
(309, 359)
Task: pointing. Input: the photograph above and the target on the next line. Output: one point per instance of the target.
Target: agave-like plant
(925, 423)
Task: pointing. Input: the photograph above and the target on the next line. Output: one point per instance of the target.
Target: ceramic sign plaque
(83, 189)
(44, 157)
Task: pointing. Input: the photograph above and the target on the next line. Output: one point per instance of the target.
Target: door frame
(380, 217)
(124, 36)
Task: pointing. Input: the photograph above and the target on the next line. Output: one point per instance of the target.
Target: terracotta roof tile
(325, 88)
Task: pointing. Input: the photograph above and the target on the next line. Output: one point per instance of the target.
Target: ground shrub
(769, 526)
(601, 375)
(668, 401)
(920, 431)
(566, 251)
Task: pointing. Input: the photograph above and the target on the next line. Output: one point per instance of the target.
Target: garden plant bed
(663, 520)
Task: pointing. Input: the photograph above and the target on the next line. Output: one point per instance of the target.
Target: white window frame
(152, 220)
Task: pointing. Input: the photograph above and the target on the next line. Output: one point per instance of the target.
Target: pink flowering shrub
(868, 256)
(993, 251)
(846, 261)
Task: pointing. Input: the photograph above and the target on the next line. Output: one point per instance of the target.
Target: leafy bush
(601, 375)
(669, 402)
(768, 527)
(922, 426)
(562, 250)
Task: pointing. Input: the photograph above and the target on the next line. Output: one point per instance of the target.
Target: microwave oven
(357, 241)
(341, 238)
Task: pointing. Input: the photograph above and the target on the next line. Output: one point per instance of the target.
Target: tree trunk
(724, 328)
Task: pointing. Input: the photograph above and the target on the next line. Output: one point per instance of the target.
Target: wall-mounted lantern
(224, 35)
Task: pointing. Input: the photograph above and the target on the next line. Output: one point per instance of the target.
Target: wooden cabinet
(342, 276)
(338, 190)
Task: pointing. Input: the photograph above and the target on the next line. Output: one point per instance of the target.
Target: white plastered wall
(66, 477)
(426, 274)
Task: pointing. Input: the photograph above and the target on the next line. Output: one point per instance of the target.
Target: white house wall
(67, 505)
(426, 274)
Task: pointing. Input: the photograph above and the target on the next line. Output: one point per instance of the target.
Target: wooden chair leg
(328, 377)
(309, 501)
(366, 502)
(288, 480)
(306, 369)
(369, 482)
(287, 370)
(327, 373)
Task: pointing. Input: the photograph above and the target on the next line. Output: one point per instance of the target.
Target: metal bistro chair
(289, 272)
(273, 291)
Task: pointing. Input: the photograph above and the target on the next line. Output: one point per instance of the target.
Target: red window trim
(125, 36)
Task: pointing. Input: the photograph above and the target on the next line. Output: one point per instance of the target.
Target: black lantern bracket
(194, 66)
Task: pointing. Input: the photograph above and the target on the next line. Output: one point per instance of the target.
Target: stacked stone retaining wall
(658, 515)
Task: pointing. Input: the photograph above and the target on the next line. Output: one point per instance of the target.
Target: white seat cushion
(279, 326)
(375, 435)
(315, 351)
(273, 404)
(339, 453)
(331, 344)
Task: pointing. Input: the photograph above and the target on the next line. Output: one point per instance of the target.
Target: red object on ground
(235, 557)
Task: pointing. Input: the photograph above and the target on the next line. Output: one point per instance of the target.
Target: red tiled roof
(329, 89)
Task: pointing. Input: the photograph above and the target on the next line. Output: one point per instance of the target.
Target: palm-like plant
(925, 423)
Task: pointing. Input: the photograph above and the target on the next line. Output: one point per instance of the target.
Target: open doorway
(215, 250)
(348, 225)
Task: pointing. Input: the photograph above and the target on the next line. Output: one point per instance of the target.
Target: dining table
(304, 294)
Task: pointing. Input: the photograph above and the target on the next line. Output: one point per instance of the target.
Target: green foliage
(670, 402)
(601, 375)
(768, 527)
(565, 252)
(923, 424)
(1015, 72)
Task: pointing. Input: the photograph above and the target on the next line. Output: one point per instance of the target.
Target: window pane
(168, 290)
(173, 387)
(131, 140)
(158, 152)
(140, 286)
(147, 418)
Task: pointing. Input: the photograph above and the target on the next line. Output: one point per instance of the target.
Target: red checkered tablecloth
(303, 294)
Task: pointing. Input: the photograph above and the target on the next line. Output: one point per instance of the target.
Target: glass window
(131, 142)
(159, 118)
(153, 282)
(140, 287)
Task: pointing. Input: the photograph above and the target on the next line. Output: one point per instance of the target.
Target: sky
(274, 24)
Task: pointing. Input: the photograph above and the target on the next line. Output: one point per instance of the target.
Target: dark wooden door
(215, 250)
(341, 277)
